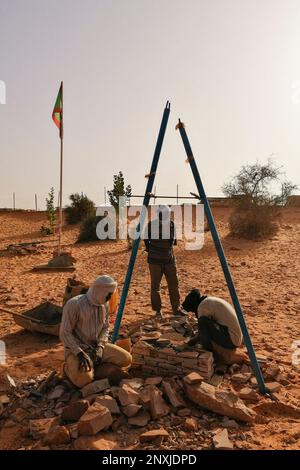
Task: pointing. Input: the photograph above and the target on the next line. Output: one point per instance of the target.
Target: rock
(191, 424)
(114, 391)
(26, 403)
(273, 386)
(6, 382)
(245, 369)
(56, 393)
(136, 384)
(277, 408)
(4, 399)
(221, 441)
(19, 415)
(284, 381)
(221, 402)
(91, 398)
(157, 435)
(49, 414)
(153, 380)
(216, 380)
(234, 368)
(74, 411)
(95, 387)
(272, 371)
(118, 423)
(172, 395)
(109, 402)
(127, 395)
(229, 423)
(141, 419)
(193, 378)
(9, 424)
(131, 410)
(253, 382)
(38, 428)
(188, 354)
(249, 394)
(158, 406)
(241, 378)
(104, 441)
(184, 412)
(65, 398)
(57, 435)
(61, 260)
(73, 430)
(145, 395)
(96, 418)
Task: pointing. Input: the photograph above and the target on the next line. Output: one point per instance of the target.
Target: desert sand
(266, 276)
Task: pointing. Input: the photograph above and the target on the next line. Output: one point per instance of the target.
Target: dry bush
(88, 230)
(254, 222)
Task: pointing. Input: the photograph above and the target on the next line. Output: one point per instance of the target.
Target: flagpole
(61, 134)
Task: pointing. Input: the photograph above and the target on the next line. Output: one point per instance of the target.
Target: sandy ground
(266, 276)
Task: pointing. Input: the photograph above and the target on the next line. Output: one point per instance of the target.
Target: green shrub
(51, 215)
(88, 229)
(81, 208)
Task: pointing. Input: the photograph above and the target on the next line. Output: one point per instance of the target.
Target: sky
(230, 68)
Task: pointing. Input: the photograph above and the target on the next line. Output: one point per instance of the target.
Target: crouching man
(218, 327)
(84, 333)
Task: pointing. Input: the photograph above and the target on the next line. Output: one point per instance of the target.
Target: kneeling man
(84, 333)
(218, 327)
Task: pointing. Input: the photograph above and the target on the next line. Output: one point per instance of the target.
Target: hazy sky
(231, 69)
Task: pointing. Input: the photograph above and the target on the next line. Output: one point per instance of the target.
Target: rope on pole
(222, 258)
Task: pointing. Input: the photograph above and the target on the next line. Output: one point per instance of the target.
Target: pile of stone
(22, 249)
(50, 412)
(149, 359)
(55, 414)
(186, 325)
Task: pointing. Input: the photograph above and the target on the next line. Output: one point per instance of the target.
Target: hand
(84, 362)
(98, 356)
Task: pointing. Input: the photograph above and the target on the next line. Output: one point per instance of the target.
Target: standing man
(159, 240)
(84, 333)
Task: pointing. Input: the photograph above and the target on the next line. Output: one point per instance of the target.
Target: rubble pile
(173, 400)
(149, 411)
(22, 249)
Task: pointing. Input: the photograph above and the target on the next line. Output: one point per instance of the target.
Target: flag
(57, 114)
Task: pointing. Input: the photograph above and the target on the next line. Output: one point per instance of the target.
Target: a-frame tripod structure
(214, 233)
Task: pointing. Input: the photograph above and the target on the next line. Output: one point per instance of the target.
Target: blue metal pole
(222, 258)
(140, 226)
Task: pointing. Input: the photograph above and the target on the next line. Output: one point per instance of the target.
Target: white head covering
(98, 291)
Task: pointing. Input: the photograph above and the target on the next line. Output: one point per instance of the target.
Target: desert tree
(51, 214)
(257, 205)
(119, 190)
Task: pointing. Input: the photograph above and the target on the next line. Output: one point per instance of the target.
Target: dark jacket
(160, 250)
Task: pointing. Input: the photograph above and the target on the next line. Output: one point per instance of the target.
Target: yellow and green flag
(57, 114)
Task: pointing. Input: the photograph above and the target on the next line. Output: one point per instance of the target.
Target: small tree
(81, 207)
(51, 214)
(287, 189)
(256, 206)
(119, 190)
